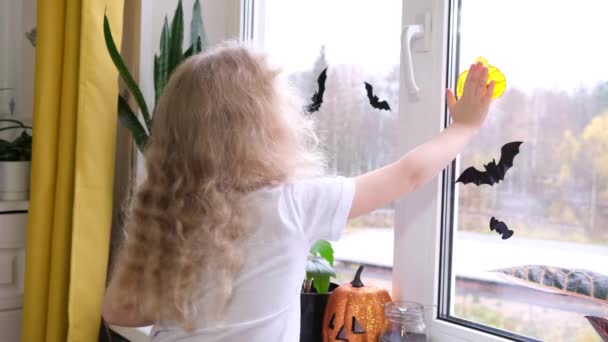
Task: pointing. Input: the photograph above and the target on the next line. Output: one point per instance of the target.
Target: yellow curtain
(72, 168)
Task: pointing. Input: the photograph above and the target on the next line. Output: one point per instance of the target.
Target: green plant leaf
(321, 284)
(23, 145)
(7, 152)
(157, 90)
(163, 59)
(197, 31)
(15, 121)
(4, 144)
(124, 72)
(199, 46)
(318, 267)
(8, 128)
(323, 249)
(129, 120)
(20, 149)
(188, 52)
(24, 140)
(9, 155)
(177, 38)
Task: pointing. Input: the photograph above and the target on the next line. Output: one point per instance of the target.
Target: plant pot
(312, 308)
(14, 180)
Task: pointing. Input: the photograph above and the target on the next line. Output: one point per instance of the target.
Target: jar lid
(403, 311)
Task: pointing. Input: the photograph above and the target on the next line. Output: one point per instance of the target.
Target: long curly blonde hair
(226, 125)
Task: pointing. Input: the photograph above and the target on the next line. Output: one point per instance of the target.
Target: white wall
(220, 19)
(17, 56)
(25, 90)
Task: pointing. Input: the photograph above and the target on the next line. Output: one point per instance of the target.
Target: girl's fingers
(471, 79)
(490, 90)
(451, 99)
(484, 75)
(467, 81)
(483, 80)
(477, 79)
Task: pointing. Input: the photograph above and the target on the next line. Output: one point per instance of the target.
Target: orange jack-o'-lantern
(355, 312)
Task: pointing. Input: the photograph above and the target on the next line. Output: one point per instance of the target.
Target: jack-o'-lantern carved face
(355, 312)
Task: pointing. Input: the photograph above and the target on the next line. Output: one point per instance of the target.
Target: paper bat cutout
(500, 228)
(317, 97)
(494, 173)
(374, 100)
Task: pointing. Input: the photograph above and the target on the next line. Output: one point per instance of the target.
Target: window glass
(308, 36)
(555, 197)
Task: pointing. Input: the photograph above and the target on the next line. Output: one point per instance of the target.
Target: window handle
(408, 35)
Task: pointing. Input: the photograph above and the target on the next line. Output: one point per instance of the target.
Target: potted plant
(315, 290)
(170, 56)
(15, 157)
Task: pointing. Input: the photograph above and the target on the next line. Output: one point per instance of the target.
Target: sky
(545, 44)
(354, 32)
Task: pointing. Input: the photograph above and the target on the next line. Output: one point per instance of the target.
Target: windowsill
(140, 334)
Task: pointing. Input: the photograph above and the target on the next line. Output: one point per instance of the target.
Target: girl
(218, 233)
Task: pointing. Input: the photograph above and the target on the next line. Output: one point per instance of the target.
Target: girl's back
(266, 299)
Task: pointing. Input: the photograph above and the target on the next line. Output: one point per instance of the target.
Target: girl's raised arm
(377, 188)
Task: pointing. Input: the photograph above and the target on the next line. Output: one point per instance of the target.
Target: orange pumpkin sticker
(494, 74)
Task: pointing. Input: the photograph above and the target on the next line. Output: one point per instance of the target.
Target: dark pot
(312, 308)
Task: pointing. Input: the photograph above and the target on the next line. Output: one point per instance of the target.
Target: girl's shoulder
(317, 207)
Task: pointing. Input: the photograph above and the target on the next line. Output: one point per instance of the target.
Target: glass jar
(404, 323)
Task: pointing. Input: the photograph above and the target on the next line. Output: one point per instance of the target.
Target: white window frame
(416, 265)
(418, 216)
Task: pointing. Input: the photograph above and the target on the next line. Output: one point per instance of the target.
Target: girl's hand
(472, 107)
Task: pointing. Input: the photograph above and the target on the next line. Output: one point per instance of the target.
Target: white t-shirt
(266, 300)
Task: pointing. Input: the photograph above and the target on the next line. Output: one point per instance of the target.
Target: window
(555, 196)
(556, 103)
(306, 37)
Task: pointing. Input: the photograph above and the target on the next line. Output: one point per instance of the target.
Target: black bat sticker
(317, 97)
(373, 99)
(500, 228)
(493, 173)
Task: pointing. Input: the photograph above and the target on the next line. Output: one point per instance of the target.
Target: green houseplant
(316, 290)
(170, 55)
(319, 267)
(15, 158)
